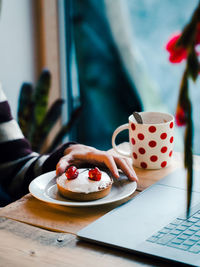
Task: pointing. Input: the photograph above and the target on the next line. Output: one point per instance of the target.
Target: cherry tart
(84, 184)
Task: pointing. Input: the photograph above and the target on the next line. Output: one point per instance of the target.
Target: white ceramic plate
(44, 188)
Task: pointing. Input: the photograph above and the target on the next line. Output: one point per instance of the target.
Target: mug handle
(116, 132)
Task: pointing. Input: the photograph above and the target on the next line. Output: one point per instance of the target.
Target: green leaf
(183, 91)
(47, 124)
(41, 96)
(189, 165)
(193, 65)
(65, 129)
(25, 108)
(188, 155)
(188, 34)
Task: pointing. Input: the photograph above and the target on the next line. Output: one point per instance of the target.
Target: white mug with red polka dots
(151, 143)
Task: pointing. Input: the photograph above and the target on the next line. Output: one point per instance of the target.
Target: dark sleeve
(52, 160)
(19, 165)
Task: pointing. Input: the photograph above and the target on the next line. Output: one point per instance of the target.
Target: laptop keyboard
(181, 233)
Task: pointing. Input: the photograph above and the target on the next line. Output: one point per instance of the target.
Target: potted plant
(35, 118)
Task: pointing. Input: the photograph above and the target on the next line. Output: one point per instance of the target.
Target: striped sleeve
(19, 165)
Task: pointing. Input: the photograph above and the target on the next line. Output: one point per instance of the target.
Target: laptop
(154, 222)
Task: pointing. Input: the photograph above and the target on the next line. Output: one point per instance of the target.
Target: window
(123, 65)
(152, 24)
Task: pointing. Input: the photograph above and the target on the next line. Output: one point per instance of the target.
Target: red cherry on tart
(94, 174)
(71, 173)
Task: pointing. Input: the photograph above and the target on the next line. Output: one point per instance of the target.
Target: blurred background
(107, 56)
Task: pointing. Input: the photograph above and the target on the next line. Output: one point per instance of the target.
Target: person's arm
(81, 155)
(19, 165)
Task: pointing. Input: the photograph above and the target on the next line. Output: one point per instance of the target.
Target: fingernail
(116, 174)
(57, 171)
(60, 167)
(135, 178)
(57, 168)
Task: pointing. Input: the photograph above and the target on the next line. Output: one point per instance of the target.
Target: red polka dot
(141, 150)
(140, 136)
(163, 136)
(163, 149)
(143, 165)
(134, 155)
(133, 141)
(171, 139)
(154, 158)
(152, 143)
(152, 129)
(133, 126)
(170, 153)
(171, 125)
(163, 164)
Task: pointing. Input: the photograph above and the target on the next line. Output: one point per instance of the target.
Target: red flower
(181, 117)
(177, 54)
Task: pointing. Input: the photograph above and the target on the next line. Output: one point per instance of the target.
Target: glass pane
(153, 22)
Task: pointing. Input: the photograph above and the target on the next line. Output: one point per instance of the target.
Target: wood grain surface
(23, 245)
(35, 233)
(69, 219)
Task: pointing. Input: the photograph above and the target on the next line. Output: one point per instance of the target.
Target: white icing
(82, 184)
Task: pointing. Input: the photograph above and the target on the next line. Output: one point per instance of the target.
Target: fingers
(127, 168)
(111, 164)
(62, 165)
(80, 154)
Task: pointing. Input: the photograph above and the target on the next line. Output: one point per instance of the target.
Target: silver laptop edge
(129, 226)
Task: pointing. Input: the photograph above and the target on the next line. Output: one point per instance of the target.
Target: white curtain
(122, 31)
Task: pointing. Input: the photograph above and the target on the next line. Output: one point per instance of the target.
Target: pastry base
(83, 196)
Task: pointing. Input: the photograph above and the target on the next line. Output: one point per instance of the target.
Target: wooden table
(34, 233)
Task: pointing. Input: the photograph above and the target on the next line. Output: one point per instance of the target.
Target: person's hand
(80, 155)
